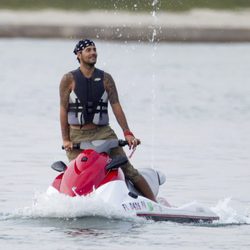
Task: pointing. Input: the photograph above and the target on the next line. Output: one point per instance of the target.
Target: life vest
(88, 102)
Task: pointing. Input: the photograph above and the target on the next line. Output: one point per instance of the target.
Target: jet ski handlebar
(122, 143)
(75, 146)
(84, 145)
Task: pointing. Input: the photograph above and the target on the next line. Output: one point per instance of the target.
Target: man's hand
(132, 141)
(68, 145)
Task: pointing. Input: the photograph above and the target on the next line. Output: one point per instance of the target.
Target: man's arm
(114, 101)
(65, 89)
(117, 110)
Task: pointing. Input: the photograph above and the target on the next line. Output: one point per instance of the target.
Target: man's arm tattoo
(111, 88)
(65, 89)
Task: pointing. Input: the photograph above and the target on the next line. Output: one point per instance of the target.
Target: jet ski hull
(93, 172)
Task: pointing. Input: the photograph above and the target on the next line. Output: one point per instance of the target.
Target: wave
(229, 215)
(59, 206)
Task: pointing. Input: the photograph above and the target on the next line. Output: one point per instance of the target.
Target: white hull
(116, 193)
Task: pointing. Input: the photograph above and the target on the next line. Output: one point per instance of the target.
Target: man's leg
(78, 135)
(129, 171)
(142, 185)
(75, 137)
(134, 176)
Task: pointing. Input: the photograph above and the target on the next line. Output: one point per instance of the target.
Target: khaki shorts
(101, 133)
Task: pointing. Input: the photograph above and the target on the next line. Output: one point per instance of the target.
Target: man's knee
(131, 173)
(72, 154)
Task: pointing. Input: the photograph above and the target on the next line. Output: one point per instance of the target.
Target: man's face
(88, 55)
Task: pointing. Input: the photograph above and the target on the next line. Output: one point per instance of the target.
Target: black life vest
(88, 102)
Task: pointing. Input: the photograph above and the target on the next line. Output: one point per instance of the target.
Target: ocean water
(188, 103)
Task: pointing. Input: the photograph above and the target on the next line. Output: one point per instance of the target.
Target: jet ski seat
(116, 162)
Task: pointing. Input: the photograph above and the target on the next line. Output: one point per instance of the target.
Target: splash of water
(154, 41)
(155, 9)
(155, 2)
(229, 215)
(61, 206)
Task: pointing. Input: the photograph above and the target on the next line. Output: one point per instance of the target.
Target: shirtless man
(84, 96)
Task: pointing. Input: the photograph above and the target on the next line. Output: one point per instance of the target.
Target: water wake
(229, 215)
(61, 206)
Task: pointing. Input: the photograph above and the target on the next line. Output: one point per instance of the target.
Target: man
(84, 96)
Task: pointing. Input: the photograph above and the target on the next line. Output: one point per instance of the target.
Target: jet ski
(94, 172)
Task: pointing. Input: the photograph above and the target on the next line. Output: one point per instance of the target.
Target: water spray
(154, 41)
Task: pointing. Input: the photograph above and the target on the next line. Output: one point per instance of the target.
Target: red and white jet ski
(94, 171)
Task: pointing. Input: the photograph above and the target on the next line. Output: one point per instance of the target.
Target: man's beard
(91, 65)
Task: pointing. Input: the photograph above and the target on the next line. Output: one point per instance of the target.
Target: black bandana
(82, 44)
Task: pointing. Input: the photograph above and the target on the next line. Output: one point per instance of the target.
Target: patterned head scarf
(82, 44)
